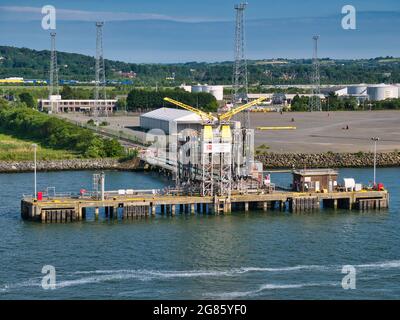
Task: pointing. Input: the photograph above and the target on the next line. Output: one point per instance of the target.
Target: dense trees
(56, 133)
(34, 64)
(391, 104)
(145, 99)
(27, 98)
(336, 103)
(68, 92)
(300, 103)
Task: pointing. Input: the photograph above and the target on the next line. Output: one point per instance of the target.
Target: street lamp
(375, 139)
(35, 166)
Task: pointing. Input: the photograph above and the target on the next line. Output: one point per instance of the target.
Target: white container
(358, 187)
(349, 184)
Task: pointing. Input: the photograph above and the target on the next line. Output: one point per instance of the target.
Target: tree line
(138, 100)
(29, 63)
(335, 103)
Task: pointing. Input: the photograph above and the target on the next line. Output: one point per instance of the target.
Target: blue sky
(179, 31)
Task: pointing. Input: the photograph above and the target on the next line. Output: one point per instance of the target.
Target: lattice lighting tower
(100, 70)
(240, 81)
(315, 101)
(53, 83)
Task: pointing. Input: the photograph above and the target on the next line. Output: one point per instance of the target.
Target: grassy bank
(14, 149)
(59, 137)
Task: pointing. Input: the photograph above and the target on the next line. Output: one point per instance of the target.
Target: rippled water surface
(240, 256)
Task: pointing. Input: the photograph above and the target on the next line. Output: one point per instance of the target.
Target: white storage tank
(382, 92)
(357, 90)
(197, 88)
(217, 92)
(186, 88)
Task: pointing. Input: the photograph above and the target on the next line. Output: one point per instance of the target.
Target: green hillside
(32, 64)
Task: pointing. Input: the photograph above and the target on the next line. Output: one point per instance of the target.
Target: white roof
(170, 114)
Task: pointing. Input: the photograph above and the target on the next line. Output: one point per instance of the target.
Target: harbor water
(274, 255)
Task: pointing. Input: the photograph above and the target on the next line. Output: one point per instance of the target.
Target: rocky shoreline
(270, 161)
(328, 160)
(69, 165)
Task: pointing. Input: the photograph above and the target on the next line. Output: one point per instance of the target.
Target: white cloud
(34, 13)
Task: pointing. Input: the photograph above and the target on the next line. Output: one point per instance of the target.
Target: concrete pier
(75, 209)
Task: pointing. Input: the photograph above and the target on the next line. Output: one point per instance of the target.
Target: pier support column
(246, 207)
(153, 210)
(80, 214)
(228, 207)
(83, 213)
(335, 204)
(110, 212)
(212, 208)
(265, 206)
(96, 213)
(173, 209)
(192, 209)
(43, 216)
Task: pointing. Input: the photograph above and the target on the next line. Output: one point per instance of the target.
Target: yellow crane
(207, 117)
(222, 119)
(210, 120)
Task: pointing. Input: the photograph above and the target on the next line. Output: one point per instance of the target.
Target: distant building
(216, 91)
(339, 91)
(55, 105)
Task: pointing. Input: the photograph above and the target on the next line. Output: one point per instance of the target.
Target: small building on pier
(315, 180)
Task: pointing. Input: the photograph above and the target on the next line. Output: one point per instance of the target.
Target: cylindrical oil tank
(217, 92)
(357, 90)
(382, 92)
(197, 88)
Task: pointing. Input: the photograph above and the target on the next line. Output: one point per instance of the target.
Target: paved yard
(316, 132)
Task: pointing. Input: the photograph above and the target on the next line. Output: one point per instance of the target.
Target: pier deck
(68, 209)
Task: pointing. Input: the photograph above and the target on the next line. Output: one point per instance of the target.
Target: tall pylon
(53, 84)
(315, 101)
(240, 81)
(100, 70)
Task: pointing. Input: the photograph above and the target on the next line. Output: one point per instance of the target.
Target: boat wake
(79, 278)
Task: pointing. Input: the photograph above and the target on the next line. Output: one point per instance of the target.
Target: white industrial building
(56, 104)
(357, 90)
(216, 91)
(171, 120)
